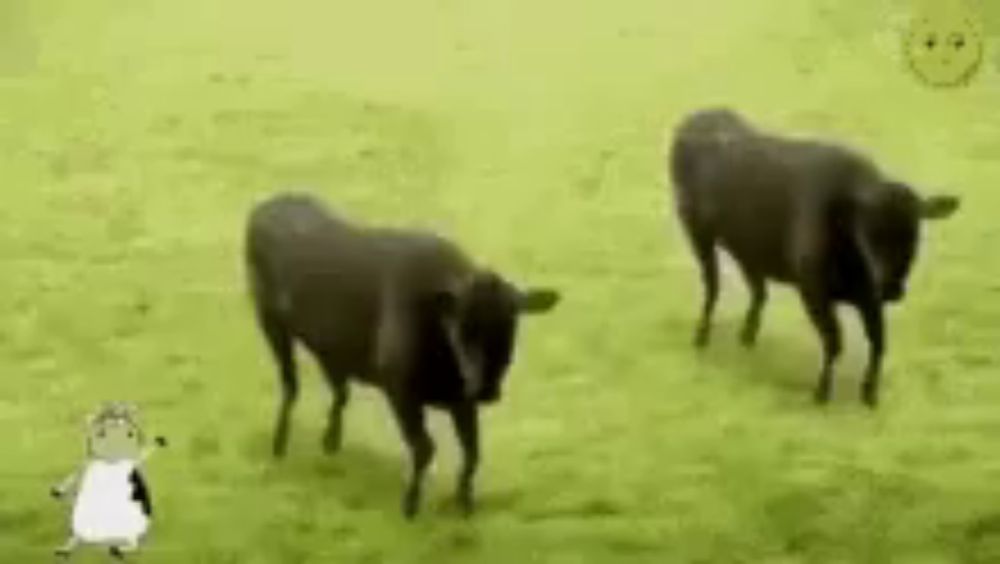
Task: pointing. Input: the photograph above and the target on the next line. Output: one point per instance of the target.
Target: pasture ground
(135, 136)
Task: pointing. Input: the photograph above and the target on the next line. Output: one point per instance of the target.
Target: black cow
(404, 311)
(811, 214)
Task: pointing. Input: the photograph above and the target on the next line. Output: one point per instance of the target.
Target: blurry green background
(136, 135)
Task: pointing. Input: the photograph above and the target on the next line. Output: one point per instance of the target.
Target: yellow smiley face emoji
(944, 47)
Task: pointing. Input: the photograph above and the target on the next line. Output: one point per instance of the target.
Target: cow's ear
(938, 207)
(537, 300)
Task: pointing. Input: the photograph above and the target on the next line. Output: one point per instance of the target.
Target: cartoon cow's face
(114, 436)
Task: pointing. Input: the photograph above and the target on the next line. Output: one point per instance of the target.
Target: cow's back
(318, 274)
(697, 146)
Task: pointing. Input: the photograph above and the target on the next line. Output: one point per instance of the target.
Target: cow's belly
(765, 253)
(339, 332)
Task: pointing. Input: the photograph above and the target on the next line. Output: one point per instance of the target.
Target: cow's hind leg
(703, 244)
(338, 380)
(410, 417)
(758, 298)
(282, 348)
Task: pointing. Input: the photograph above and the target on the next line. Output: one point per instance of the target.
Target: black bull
(815, 215)
(404, 311)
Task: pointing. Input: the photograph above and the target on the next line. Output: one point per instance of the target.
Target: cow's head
(886, 229)
(480, 318)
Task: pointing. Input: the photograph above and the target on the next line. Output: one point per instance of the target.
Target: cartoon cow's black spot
(140, 493)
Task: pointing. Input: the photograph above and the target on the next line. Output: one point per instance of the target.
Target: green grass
(135, 136)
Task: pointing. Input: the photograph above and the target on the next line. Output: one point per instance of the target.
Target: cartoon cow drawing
(111, 502)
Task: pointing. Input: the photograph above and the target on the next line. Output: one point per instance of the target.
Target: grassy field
(135, 136)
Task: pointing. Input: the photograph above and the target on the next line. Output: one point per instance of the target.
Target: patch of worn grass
(134, 138)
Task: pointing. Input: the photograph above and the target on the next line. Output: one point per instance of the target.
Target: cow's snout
(489, 396)
(893, 292)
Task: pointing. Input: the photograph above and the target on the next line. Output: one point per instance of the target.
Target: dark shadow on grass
(494, 500)
(789, 366)
(361, 479)
(23, 524)
(981, 539)
(358, 477)
(593, 507)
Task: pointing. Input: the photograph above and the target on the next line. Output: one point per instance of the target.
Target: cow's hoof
(466, 507)
(748, 339)
(701, 340)
(411, 506)
(869, 397)
(821, 396)
(278, 450)
(331, 443)
(62, 553)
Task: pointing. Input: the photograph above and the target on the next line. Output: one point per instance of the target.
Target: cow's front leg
(874, 323)
(410, 417)
(811, 264)
(395, 346)
(466, 420)
(821, 313)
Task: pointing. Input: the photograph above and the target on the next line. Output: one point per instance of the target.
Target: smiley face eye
(958, 41)
(931, 42)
